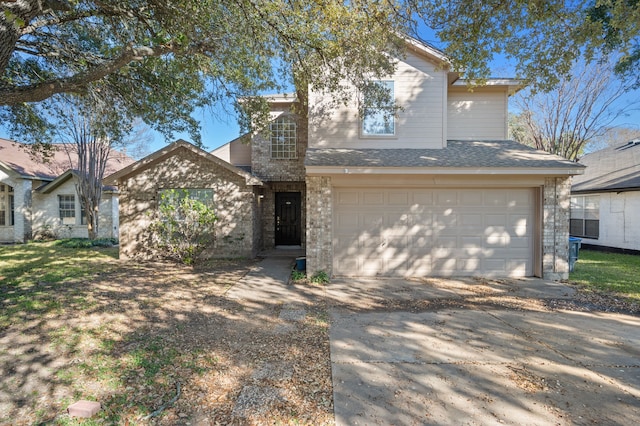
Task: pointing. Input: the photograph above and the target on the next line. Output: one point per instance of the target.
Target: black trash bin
(574, 251)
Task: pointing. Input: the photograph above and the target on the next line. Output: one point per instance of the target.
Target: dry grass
(125, 333)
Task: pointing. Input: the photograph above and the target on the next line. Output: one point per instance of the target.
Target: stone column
(555, 240)
(319, 225)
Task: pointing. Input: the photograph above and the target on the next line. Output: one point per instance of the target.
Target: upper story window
(585, 216)
(6, 205)
(283, 138)
(378, 113)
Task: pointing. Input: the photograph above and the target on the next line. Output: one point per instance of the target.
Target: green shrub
(298, 275)
(183, 227)
(86, 243)
(320, 277)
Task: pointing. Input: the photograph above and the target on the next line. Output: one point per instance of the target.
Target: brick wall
(555, 232)
(319, 225)
(271, 169)
(235, 203)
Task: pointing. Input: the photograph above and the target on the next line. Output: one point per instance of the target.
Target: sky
(219, 127)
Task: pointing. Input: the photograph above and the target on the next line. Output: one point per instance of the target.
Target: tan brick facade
(555, 224)
(319, 224)
(279, 170)
(235, 203)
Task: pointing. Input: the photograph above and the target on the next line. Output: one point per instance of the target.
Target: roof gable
(170, 150)
(611, 169)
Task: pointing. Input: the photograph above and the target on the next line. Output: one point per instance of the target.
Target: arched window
(283, 138)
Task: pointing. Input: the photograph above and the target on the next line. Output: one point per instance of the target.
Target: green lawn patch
(610, 272)
(31, 273)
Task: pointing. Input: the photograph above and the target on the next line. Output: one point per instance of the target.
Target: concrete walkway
(268, 283)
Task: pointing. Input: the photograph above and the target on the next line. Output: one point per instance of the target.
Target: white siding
(240, 153)
(420, 89)
(619, 220)
(235, 152)
(46, 214)
(480, 115)
(224, 152)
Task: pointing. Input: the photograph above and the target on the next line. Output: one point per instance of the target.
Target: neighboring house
(432, 190)
(605, 201)
(38, 196)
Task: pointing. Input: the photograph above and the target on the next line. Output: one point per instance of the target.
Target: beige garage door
(437, 232)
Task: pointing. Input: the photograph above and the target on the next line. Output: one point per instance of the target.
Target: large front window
(585, 216)
(378, 112)
(283, 138)
(176, 195)
(6, 205)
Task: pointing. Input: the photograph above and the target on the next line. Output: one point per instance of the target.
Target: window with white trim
(7, 213)
(378, 112)
(283, 138)
(585, 216)
(67, 209)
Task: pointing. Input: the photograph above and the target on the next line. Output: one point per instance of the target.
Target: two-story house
(432, 188)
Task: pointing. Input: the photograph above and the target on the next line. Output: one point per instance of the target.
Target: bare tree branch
(578, 111)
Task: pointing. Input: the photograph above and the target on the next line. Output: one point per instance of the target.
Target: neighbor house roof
(170, 150)
(611, 169)
(18, 158)
(459, 157)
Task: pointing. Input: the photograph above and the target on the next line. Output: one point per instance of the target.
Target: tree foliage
(544, 38)
(160, 60)
(579, 111)
(183, 227)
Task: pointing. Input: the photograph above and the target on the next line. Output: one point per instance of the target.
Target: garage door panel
(348, 198)
(373, 199)
(440, 232)
(400, 198)
(422, 198)
(496, 198)
(471, 198)
(445, 198)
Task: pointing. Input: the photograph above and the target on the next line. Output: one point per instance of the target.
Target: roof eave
(364, 170)
(50, 186)
(598, 190)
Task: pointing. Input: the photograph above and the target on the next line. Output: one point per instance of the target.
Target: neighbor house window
(7, 214)
(67, 207)
(83, 215)
(585, 216)
(283, 138)
(378, 112)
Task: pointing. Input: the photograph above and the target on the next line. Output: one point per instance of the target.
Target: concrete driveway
(471, 352)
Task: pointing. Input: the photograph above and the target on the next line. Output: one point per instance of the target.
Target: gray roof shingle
(457, 154)
(610, 169)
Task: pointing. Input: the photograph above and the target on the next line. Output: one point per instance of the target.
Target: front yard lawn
(609, 272)
(77, 323)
